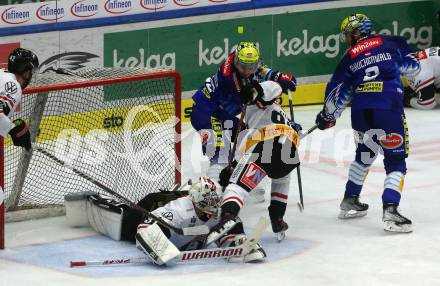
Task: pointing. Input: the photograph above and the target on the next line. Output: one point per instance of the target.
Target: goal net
(120, 126)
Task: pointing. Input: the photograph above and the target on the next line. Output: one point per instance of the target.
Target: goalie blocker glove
(20, 134)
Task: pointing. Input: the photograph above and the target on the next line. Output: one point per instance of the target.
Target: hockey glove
(286, 81)
(226, 174)
(20, 134)
(324, 121)
(248, 93)
(297, 127)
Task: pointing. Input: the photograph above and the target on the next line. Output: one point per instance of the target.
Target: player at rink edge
(217, 102)
(421, 93)
(268, 147)
(22, 65)
(196, 204)
(368, 75)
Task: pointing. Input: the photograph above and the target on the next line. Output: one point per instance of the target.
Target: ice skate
(393, 221)
(352, 208)
(279, 227)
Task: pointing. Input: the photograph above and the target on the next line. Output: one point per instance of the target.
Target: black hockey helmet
(22, 60)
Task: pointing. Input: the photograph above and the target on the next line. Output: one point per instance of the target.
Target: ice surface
(320, 249)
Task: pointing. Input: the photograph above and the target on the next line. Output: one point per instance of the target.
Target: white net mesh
(122, 134)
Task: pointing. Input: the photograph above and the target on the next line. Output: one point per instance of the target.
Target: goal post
(121, 126)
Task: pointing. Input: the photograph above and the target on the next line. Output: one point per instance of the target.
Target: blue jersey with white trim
(369, 75)
(223, 88)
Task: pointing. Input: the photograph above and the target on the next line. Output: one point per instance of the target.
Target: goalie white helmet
(205, 195)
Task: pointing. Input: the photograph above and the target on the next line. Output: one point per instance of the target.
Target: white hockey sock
(280, 189)
(358, 173)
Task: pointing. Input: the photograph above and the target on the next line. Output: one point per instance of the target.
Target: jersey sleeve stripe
(426, 82)
(234, 198)
(426, 102)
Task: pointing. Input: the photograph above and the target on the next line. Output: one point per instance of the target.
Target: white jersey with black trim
(180, 213)
(267, 122)
(10, 98)
(429, 74)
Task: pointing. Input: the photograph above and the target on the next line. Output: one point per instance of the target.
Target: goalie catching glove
(20, 134)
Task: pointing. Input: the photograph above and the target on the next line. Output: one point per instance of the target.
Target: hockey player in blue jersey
(368, 76)
(217, 102)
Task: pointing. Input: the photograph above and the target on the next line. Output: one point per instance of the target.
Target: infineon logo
(153, 4)
(83, 10)
(186, 2)
(48, 13)
(118, 6)
(14, 16)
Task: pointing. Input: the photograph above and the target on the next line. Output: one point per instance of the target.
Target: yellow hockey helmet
(247, 55)
(355, 22)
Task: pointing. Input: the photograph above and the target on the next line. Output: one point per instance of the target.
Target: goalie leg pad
(153, 242)
(76, 208)
(105, 215)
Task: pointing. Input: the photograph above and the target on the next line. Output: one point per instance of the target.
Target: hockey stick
(185, 256)
(240, 125)
(298, 170)
(192, 255)
(196, 230)
(302, 135)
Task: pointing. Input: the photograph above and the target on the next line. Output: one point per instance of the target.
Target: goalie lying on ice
(268, 148)
(197, 205)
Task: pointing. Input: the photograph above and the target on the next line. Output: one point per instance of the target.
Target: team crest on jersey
(253, 175)
(167, 215)
(11, 87)
(391, 141)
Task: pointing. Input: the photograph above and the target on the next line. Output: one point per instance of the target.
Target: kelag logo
(118, 6)
(83, 10)
(48, 13)
(15, 16)
(153, 4)
(186, 2)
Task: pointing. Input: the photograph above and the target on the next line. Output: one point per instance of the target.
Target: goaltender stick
(197, 205)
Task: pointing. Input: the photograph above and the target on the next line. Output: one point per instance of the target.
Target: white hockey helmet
(205, 195)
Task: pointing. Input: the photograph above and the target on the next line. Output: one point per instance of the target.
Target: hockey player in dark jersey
(368, 76)
(217, 102)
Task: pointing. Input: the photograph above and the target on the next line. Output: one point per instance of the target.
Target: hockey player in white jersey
(194, 206)
(425, 84)
(268, 148)
(22, 64)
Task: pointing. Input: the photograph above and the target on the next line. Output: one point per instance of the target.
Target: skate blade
(391, 226)
(351, 214)
(280, 236)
